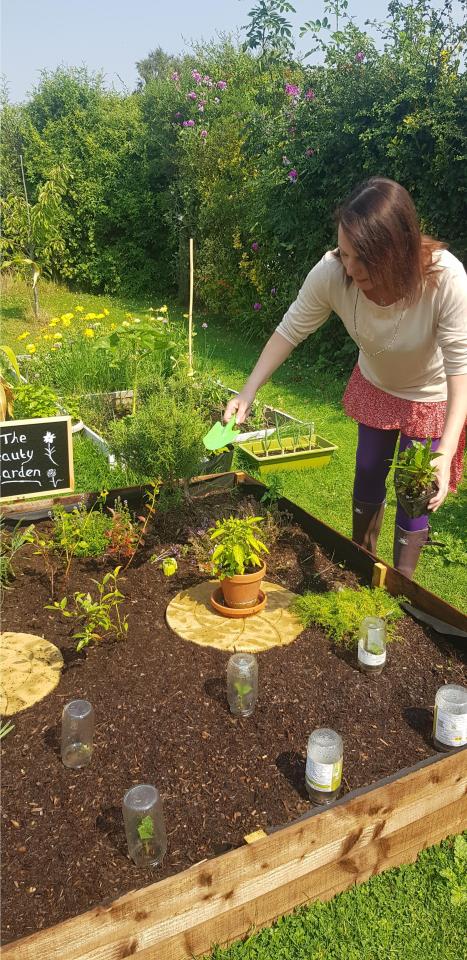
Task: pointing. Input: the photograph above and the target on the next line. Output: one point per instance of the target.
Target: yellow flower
(66, 322)
(162, 309)
(125, 323)
(186, 316)
(54, 321)
(66, 316)
(48, 336)
(90, 316)
(31, 347)
(23, 336)
(105, 312)
(57, 336)
(79, 309)
(89, 332)
(113, 326)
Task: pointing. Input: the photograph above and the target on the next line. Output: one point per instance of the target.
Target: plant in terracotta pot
(237, 559)
(415, 477)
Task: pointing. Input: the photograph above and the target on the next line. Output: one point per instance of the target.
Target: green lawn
(408, 913)
(404, 914)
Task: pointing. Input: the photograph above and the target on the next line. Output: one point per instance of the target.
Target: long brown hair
(380, 221)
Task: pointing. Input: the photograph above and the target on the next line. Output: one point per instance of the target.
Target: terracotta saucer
(218, 602)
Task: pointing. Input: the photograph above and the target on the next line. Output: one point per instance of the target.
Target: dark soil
(162, 718)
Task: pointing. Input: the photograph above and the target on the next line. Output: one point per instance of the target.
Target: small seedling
(242, 689)
(145, 830)
(6, 728)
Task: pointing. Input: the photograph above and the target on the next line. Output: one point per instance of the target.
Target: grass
(407, 913)
(404, 914)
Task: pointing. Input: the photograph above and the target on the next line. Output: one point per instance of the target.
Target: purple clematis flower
(293, 175)
(255, 246)
(257, 306)
(221, 85)
(188, 123)
(292, 90)
(192, 95)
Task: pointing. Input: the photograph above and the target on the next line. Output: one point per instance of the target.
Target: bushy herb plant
(163, 441)
(238, 546)
(35, 400)
(341, 612)
(82, 532)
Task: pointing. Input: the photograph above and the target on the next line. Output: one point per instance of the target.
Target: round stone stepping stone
(31, 668)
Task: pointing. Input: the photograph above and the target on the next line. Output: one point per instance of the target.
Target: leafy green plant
(123, 536)
(140, 339)
(238, 547)
(145, 830)
(414, 473)
(99, 617)
(457, 874)
(242, 689)
(80, 533)
(10, 544)
(35, 400)
(341, 612)
(451, 549)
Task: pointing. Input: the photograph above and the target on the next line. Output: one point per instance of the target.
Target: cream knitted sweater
(423, 344)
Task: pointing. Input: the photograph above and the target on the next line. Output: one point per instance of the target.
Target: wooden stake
(190, 315)
(256, 835)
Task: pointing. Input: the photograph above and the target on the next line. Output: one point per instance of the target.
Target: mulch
(162, 717)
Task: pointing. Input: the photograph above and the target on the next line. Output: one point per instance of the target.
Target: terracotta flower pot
(242, 591)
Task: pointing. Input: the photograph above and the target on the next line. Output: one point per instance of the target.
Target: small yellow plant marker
(256, 835)
(379, 575)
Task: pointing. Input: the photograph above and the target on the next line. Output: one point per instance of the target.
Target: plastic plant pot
(242, 684)
(144, 825)
(372, 646)
(268, 455)
(77, 733)
(323, 775)
(450, 717)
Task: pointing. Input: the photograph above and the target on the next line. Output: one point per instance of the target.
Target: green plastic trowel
(221, 434)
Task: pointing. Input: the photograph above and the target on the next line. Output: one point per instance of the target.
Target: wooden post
(190, 315)
(379, 575)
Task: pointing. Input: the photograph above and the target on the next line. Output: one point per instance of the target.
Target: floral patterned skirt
(368, 404)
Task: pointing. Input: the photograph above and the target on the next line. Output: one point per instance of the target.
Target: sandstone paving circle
(31, 668)
(191, 616)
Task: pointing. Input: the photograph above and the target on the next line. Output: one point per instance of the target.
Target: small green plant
(341, 612)
(457, 875)
(452, 549)
(414, 473)
(139, 339)
(46, 548)
(5, 728)
(10, 544)
(123, 537)
(81, 533)
(96, 615)
(145, 830)
(35, 400)
(274, 491)
(238, 547)
(242, 689)
(266, 439)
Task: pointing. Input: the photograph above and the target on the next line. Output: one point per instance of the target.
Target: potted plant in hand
(415, 477)
(237, 561)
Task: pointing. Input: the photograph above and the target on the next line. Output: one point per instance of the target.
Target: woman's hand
(442, 467)
(240, 404)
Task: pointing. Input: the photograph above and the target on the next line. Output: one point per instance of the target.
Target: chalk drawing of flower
(49, 449)
(52, 474)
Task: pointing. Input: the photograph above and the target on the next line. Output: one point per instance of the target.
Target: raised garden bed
(162, 717)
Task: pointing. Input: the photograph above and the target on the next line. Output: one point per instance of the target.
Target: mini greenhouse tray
(272, 456)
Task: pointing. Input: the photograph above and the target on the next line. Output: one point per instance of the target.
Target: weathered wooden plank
(220, 899)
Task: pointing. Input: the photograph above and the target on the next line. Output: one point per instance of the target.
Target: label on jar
(370, 659)
(323, 776)
(450, 728)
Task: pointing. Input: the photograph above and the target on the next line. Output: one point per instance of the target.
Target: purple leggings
(375, 451)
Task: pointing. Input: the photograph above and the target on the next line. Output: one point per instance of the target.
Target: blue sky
(111, 35)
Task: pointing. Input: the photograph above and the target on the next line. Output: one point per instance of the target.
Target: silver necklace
(388, 345)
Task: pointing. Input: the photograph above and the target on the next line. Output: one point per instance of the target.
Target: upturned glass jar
(324, 759)
(450, 717)
(144, 825)
(372, 646)
(242, 684)
(77, 733)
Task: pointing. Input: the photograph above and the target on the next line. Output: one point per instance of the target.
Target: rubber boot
(407, 548)
(367, 519)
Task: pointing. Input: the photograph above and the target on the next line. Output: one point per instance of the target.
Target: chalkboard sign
(36, 457)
